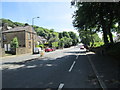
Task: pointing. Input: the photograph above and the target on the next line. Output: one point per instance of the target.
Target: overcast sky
(53, 15)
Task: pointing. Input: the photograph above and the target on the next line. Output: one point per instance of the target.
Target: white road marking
(71, 66)
(60, 86)
(77, 56)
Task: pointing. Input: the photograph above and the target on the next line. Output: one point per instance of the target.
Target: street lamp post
(33, 20)
(33, 34)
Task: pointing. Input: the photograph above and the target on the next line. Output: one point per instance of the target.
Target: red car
(48, 50)
(53, 49)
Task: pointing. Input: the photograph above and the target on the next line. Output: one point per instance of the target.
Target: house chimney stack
(26, 24)
(4, 26)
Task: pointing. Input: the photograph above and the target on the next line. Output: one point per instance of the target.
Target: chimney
(26, 24)
(4, 26)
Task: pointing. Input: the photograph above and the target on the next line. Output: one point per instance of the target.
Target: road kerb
(102, 84)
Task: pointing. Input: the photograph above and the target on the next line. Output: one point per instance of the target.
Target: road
(67, 68)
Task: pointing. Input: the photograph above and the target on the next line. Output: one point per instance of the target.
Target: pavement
(24, 57)
(5, 61)
(108, 69)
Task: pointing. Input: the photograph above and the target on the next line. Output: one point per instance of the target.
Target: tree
(85, 37)
(14, 43)
(67, 42)
(55, 44)
(74, 37)
(11, 23)
(66, 34)
(96, 38)
(61, 43)
(60, 35)
(97, 15)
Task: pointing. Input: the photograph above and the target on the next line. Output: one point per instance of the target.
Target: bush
(14, 43)
(97, 44)
(61, 43)
(55, 44)
(42, 46)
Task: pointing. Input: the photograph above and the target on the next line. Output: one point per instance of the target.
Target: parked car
(53, 49)
(81, 47)
(37, 50)
(86, 46)
(48, 50)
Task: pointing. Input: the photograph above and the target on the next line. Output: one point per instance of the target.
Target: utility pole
(33, 33)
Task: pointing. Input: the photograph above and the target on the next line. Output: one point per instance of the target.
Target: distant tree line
(57, 39)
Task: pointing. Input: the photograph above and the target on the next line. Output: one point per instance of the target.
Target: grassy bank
(110, 50)
(114, 50)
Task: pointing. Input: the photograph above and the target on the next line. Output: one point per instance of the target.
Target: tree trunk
(91, 38)
(104, 28)
(109, 27)
(110, 36)
(105, 36)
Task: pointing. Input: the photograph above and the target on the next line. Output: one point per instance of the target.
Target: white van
(37, 50)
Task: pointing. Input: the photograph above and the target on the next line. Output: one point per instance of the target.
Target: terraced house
(27, 38)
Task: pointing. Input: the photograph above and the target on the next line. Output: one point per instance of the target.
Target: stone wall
(2, 52)
(22, 50)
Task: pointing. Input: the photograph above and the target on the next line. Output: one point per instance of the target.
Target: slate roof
(42, 38)
(26, 28)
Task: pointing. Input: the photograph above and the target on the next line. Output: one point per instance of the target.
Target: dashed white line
(60, 86)
(72, 66)
(77, 56)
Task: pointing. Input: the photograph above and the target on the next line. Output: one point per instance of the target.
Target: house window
(5, 46)
(24, 45)
(4, 37)
(29, 36)
(29, 44)
(8, 47)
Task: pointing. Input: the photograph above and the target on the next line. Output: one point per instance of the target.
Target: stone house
(27, 38)
(2, 52)
(42, 39)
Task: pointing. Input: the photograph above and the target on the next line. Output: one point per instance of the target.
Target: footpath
(15, 61)
(108, 69)
(9, 61)
(18, 58)
(24, 57)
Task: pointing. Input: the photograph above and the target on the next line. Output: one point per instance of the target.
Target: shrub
(97, 44)
(55, 44)
(14, 43)
(42, 46)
